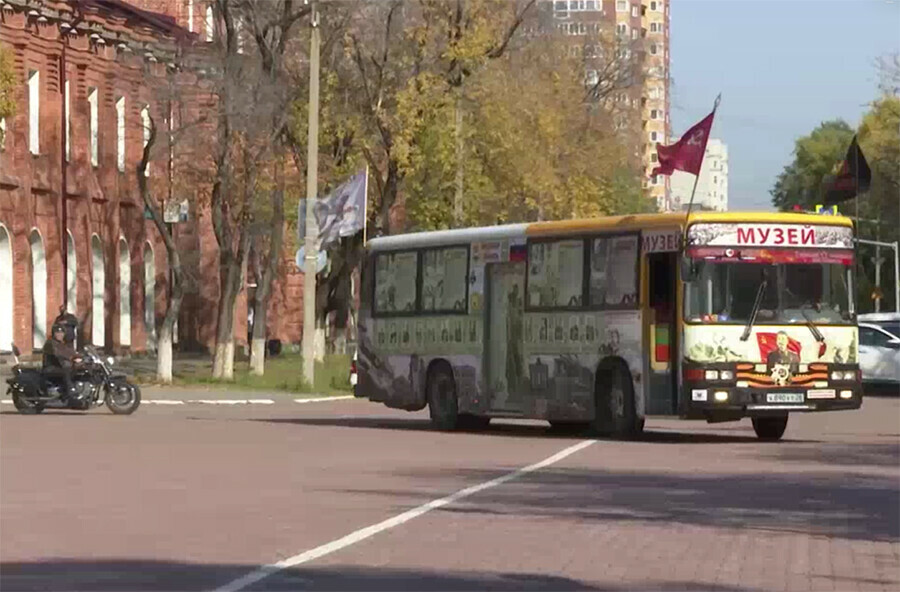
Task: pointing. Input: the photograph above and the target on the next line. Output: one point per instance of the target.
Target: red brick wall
(101, 200)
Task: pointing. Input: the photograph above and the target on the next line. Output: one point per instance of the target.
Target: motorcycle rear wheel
(26, 407)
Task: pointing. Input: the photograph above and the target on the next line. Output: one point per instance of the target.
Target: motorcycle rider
(59, 359)
(70, 324)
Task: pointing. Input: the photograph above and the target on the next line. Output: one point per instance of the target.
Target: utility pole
(312, 230)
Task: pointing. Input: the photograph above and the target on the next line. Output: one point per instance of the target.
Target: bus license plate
(784, 397)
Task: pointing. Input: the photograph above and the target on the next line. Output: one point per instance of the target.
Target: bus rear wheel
(615, 413)
(770, 428)
(443, 406)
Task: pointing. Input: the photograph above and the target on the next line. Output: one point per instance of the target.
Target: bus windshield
(724, 292)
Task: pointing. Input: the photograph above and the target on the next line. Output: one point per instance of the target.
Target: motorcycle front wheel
(26, 407)
(123, 398)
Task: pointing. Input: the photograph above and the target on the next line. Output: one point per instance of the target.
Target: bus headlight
(721, 396)
(711, 375)
(843, 375)
(846, 394)
(837, 375)
(726, 375)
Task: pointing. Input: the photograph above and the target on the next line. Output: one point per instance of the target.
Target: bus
(601, 323)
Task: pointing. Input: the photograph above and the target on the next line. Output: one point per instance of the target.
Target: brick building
(114, 273)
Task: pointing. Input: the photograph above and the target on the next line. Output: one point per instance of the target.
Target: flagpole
(365, 205)
(705, 143)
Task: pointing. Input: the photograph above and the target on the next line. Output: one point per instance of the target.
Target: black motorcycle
(93, 384)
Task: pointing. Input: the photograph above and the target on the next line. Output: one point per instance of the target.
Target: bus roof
(433, 238)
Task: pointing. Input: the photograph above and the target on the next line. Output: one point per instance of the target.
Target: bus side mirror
(688, 269)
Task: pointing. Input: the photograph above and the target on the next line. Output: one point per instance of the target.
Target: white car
(879, 355)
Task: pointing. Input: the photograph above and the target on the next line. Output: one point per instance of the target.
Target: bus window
(614, 278)
(444, 274)
(555, 274)
(395, 282)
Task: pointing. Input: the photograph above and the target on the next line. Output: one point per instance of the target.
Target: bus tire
(615, 414)
(443, 405)
(770, 427)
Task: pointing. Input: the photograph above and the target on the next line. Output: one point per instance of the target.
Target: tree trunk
(223, 361)
(264, 287)
(164, 360)
(389, 194)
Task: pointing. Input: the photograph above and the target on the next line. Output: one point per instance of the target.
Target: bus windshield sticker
(746, 234)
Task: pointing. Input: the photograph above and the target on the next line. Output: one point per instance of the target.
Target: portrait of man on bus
(782, 355)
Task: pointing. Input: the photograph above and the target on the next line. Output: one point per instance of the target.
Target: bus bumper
(736, 402)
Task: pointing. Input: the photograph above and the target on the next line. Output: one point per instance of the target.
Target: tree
(176, 289)
(879, 138)
(271, 27)
(8, 88)
(541, 144)
(815, 157)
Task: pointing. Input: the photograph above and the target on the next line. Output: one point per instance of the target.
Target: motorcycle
(94, 383)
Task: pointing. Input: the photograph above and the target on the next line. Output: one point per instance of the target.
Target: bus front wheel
(443, 406)
(770, 428)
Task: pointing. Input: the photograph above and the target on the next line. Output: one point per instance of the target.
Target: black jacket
(58, 354)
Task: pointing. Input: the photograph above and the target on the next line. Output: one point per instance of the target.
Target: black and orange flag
(853, 176)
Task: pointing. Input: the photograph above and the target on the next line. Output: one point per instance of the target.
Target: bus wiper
(812, 326)
(809, 322)
(755, 311)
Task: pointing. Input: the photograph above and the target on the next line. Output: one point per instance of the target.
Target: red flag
(768, 342)
(687, 153)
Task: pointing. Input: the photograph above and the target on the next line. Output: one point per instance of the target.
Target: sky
(783, 67)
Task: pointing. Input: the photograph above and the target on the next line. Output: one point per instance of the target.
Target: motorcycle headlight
(110, 360)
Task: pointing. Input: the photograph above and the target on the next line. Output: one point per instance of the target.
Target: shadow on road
(861, 507)
(517, 430)
(63, 575)
(841, 455)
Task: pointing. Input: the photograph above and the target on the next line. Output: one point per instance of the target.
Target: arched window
(150, 296)
(98, 284)
(124, 293)
(38, 290)
(71, 275)
(6, 290)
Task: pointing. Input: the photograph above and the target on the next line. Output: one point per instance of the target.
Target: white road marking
(318, 399)
(369, 531)
(6, 401)
(163, 402)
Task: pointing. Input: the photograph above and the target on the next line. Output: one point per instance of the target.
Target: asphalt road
(197, 497)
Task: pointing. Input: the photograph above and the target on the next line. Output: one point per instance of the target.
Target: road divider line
(370, 531)
(319, 399)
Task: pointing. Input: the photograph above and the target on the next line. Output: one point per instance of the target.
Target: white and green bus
(601, 323)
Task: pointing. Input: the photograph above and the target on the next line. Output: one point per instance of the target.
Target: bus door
(504, 362)
(662, 314)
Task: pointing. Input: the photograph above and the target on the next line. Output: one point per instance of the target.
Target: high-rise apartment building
(655, 94)
(637, 31)
(712, 186)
